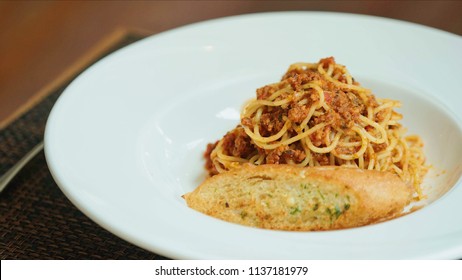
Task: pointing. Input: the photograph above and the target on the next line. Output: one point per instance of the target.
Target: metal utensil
(11, 173)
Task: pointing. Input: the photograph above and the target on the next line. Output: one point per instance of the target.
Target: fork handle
(11, 173)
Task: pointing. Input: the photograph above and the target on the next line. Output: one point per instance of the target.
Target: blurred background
(39, 40)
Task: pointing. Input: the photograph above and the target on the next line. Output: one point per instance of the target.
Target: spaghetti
(319, 115)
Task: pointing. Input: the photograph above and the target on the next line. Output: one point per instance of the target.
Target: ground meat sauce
(237, 143)
(271, 122)
(298, 113)
(209, 166)
(345, 110)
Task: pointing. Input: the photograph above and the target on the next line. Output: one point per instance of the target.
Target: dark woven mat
(37, 220)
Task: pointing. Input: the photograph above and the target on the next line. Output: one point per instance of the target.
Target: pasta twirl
(319, 115)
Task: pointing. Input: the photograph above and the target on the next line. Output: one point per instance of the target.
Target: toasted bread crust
(286, 197)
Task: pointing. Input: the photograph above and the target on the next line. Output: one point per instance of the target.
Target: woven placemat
(37, 220)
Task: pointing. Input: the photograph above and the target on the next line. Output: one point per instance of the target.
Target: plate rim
(124, 235)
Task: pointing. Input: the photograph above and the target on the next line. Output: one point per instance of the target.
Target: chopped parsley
(315, 207)
(320, 194)
(294, 211)
(346, 206)
(337, 212)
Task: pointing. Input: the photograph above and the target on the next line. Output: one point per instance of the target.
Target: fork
(11, 173)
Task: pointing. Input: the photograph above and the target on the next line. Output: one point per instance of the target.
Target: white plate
(125, 139)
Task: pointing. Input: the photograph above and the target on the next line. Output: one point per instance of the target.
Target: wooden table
(42, 41)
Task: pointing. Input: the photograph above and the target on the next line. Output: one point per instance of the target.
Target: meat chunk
(298, 113)
(237, 143)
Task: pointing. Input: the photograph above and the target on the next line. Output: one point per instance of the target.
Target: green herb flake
(316, 207)
(338, 212)
(320, 194)
(294, 211)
